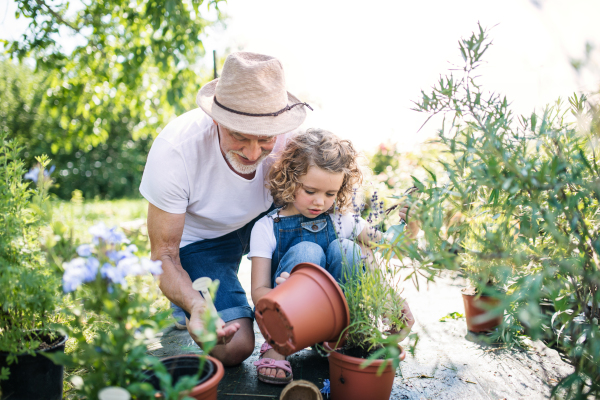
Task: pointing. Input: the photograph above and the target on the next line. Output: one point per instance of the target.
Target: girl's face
(317, 192)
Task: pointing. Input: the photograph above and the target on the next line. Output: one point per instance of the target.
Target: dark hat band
(273, 114)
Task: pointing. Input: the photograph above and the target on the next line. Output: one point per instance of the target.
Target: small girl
(313, 182)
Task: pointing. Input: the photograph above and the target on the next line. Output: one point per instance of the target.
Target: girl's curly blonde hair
(320, 148)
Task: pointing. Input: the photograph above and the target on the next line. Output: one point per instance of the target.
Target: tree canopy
(130, 62)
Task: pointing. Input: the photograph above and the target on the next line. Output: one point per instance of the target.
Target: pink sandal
(271, 363)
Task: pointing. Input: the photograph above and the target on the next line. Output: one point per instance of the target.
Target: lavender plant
(372, 293)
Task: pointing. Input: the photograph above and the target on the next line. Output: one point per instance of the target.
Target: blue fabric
(220, 258)
(302, 239)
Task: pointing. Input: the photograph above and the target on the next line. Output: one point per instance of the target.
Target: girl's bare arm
(261, 278)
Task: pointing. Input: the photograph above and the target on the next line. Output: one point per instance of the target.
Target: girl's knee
(307, 252)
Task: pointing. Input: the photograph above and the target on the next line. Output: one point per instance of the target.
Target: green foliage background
(95, 109)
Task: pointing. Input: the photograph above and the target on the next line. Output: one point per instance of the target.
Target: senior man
(204, 180)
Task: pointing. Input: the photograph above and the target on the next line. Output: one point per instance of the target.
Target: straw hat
(250, 97)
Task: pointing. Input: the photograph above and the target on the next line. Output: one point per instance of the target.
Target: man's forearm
(176, 285)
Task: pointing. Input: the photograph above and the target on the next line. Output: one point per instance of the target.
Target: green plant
(29, 295)
(106, 289)
(170, 390)
(375, 316)
(517, 211)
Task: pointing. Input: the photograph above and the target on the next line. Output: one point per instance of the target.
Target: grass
(129, 215)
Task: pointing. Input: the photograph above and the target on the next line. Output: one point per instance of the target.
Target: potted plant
(527, 193)
(29, 295)
(362, 363)
(187, 376)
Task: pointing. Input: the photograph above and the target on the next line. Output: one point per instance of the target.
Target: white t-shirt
(186, 173)
(263, 242)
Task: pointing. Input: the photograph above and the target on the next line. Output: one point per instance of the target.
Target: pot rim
(477, 292)
(65, 337)
(358, 361)
(211, 382)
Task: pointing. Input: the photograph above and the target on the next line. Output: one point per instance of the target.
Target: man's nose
(252, 151)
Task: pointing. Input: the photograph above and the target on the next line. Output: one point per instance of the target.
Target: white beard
(242, 168)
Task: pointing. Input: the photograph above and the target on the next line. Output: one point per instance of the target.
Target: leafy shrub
(108, 169)
(517, 210)
(29, 294)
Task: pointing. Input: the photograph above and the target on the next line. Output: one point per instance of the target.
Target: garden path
(449, 363)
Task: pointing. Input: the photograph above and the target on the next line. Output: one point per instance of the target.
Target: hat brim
(260, 126)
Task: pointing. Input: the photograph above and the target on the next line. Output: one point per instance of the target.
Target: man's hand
(282, 278)
(195, 325)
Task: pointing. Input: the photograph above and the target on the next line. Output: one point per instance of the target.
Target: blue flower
(154, 267)
(108, 235)
(90, 269)
(75, 274)
(115, 237)
(326, 387)
(99, 231)
(131, 266)
(85, 250)
(33, 174)
(113, 274)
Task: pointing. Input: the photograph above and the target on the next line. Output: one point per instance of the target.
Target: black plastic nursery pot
(188, 365)
(34, 376)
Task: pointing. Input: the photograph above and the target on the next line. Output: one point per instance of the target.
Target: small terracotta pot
(207, 389)
(348, 381)
(308, 308)
(301, 390)
(475, 309)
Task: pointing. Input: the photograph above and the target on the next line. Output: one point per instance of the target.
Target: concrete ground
(449, 363)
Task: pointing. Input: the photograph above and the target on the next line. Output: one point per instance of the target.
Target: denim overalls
(302, 239)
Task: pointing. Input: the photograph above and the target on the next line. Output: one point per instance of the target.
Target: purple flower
(154, 267)
(85, 250)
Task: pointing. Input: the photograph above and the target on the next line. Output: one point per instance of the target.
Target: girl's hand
(412, 226)
(282, 278)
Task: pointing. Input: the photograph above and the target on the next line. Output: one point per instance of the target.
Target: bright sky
(360, 64)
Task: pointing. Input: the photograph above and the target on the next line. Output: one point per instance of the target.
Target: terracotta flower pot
(188, 364)
(308, 308)
(33, 377)
(475, 309)
(348, 381)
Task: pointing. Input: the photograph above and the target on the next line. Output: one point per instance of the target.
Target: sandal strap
(271, 363)
(265, 347)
